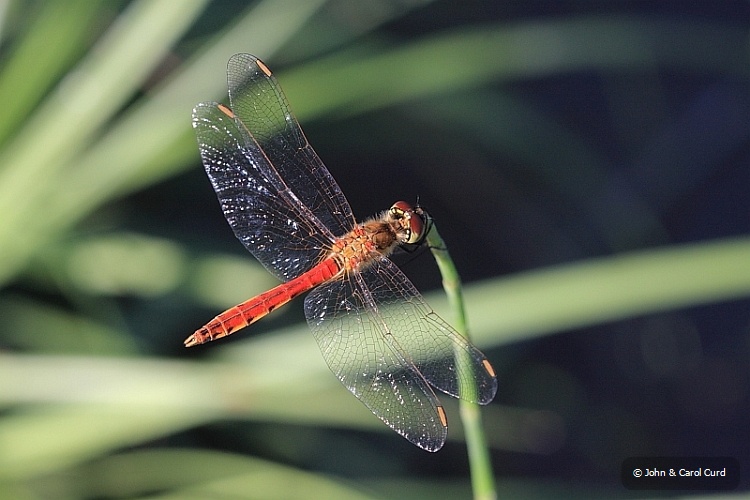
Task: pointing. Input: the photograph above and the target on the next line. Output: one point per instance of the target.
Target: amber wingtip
(443, 417)
(225, 110)
(263, 67)
(488, 367)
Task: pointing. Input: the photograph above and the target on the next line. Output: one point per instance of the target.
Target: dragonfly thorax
(363, 244)
(400, 225)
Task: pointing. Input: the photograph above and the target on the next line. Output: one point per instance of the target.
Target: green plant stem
(482, 479)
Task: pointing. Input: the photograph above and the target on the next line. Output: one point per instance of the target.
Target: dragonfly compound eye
(411, 222)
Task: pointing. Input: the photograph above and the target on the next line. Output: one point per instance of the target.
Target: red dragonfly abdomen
(252, 310)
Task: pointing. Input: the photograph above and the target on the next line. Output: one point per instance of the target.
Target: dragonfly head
(414, 222)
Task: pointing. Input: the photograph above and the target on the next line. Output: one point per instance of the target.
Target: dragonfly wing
(364, 355)
(421, 336)
(259, 206)
(431, 343)
(262, 107)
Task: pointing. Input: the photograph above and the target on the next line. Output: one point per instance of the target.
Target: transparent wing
(258, 101)
(385, 345)
(259, 208)
(432, 344)
(276, 194)
(365, 357)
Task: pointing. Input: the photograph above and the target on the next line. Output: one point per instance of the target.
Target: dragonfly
(374, 329)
